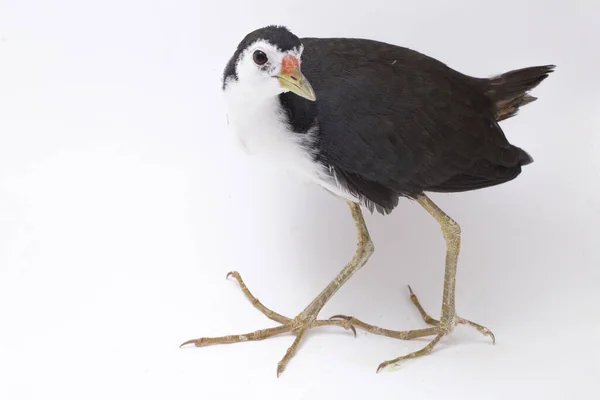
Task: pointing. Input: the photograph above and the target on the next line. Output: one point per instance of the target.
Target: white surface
(123, 204)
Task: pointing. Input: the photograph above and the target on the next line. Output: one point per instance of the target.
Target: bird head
(267, 63)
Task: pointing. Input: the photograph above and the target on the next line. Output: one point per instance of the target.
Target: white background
(124, 202)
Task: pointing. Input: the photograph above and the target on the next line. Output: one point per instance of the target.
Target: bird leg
(307, 319)
(449, 319)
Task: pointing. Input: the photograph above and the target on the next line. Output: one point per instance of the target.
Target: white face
(266, 71)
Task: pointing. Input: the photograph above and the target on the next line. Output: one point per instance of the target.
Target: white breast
(259, 124)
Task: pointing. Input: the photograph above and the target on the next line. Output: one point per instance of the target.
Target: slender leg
(449, 319)
(451, 232)
(307, 319)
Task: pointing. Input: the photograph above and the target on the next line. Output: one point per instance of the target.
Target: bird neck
(300, 113)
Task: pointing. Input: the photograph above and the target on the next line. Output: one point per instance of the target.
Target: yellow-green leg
(449, 319)
(307, 319)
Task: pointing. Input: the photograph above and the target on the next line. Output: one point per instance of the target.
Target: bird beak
(291, 78)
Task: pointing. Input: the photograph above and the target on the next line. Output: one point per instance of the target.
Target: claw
(482, 329)
(353, 329)
(340, 316)
(380, 367)
(491, 335)
(195, 342)
(344, 318)
(230, 274)
(412, 294)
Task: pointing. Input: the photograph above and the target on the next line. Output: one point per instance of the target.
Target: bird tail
(509, 91)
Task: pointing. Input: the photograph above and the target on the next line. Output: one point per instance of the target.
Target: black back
(394, 122)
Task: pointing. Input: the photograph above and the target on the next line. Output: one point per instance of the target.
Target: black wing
(394, 122)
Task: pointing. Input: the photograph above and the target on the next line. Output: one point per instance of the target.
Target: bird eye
(260, 58)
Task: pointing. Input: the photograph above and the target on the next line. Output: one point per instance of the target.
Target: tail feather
(509, 91)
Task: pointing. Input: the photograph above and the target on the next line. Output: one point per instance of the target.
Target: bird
(371, 123)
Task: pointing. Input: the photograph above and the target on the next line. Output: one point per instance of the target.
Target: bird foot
(297, 326)
(439, 329)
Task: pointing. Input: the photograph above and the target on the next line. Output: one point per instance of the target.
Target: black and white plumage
(372, 122)
(387, 121)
